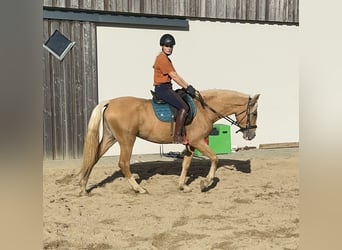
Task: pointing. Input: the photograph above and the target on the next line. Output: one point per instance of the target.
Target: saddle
(167, 113)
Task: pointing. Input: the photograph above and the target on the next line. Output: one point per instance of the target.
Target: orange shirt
(162, 67)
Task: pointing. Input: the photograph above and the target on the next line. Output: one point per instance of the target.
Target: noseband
(248, 114)
(232, 121)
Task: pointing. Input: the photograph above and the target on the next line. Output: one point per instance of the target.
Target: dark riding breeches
(166, 93)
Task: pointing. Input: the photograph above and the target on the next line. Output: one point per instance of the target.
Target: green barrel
(219, 140)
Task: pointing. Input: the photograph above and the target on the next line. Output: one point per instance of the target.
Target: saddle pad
(164, 112)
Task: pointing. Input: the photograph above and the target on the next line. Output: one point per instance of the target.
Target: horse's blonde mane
(210, 94)
(228, 91)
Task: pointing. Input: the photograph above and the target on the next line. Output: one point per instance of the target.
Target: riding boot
(181, 115)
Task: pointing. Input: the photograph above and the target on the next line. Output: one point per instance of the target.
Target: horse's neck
(226, 102)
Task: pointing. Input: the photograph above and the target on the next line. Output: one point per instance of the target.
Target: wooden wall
(285, 11)
(70, 90)
(70, 86)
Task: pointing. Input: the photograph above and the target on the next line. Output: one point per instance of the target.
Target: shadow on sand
(199, 168)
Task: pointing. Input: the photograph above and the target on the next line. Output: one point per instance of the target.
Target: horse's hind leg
(124, 164)
(107, 141)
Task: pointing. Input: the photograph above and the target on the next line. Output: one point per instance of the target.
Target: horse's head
(247, 118)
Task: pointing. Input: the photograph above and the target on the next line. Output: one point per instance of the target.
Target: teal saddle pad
(166, 113)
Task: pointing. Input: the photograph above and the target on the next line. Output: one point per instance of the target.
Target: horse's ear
(255, 98)
(255, 103)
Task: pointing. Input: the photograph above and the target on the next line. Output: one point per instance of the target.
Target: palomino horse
(126, 118)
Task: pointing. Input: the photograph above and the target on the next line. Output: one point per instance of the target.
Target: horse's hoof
(185, 189)
(204, 185)
(141, 191)
(83, 193)
(136, 176)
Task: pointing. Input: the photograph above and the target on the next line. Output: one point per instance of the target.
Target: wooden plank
(201, 6)
(261, 10)
(181, 10)
(74, 4)
(272, 10)
(97, 5)
(168, 8)
(63, 101)
(186, 8)
(279, 145)
(251, 10)
(94, 83)
(175, 7)
(71, 97)
(47, 112)
(110, 5)
(244, 8)
(154, 6)
(59, 3)
(238, 9)
(84, 57)
(221, 9)
(290, 13)
(283, 9)
(147, 6)
(231, 9)
(296, 10)
(125, 6)
(56, 102)
(134, 6)
(241, 9)
(67, 100)
(85, 4)
(47, 3)
(78, 135)
(159, 8)
(191, 8)
(211, 9)
(278, 10)
(266, 10)
(87, 77)
(118, 5)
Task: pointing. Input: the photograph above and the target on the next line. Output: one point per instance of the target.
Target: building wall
(70, 90)
(251, 58)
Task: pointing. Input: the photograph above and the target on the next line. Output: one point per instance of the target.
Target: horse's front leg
(124, 164)
(205, 150)
(185, 167)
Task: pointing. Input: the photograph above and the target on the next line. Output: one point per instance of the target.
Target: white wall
(251, 58)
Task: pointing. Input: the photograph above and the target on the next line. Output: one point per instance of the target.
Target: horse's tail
(91, 142)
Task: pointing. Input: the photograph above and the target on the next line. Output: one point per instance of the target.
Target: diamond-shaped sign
(58, 45)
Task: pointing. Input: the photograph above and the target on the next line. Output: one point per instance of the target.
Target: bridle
(227, 118)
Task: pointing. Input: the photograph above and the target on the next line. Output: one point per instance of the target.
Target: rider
(164, 72)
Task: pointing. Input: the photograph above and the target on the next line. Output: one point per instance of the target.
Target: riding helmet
(167, 39)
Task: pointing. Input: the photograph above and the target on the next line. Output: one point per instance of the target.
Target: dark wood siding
(279, 11)
(70, 90)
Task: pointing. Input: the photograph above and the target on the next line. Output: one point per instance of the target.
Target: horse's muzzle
(249, 134)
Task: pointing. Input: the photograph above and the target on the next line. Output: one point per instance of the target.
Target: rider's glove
(191, 91)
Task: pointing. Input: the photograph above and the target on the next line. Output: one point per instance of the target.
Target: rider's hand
(191, 91)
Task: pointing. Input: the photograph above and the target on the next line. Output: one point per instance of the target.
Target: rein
(227, 118)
